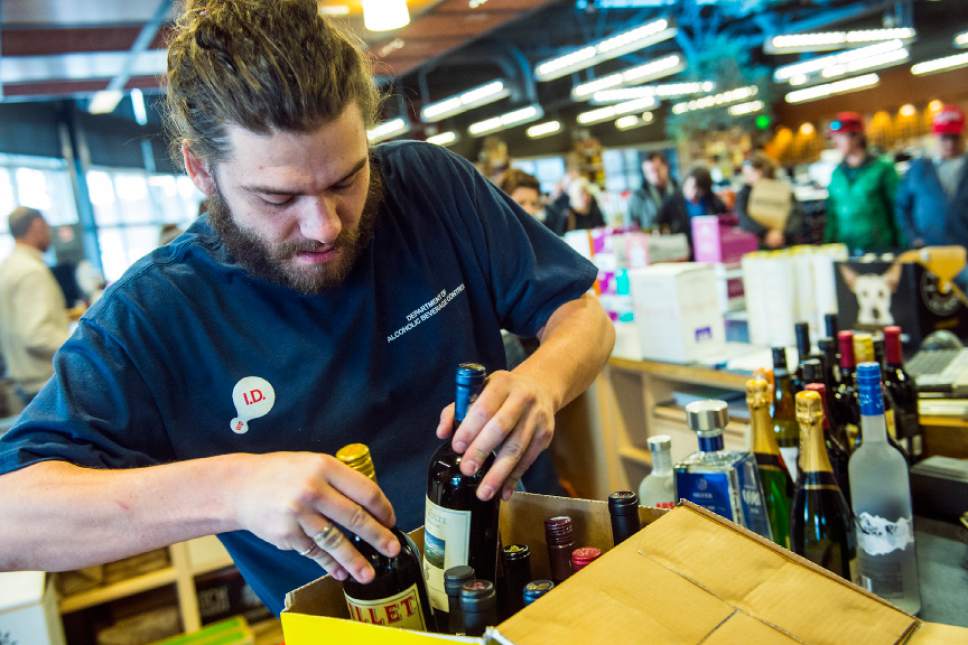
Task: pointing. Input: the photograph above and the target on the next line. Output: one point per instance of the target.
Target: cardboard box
(713, 240)
(677, 311)
(688, 576)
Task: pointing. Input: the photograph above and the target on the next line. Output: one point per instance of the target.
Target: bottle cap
(623, 502)
(476, 594)
(559, 530)
(845, 342)
(583, 556)
(869, 389)
(809, 407)
(707, 417)
(892, 344)
(516, 552)
(868, 373)
(455, 577)
(757, 393)
(813, 371)
(357, 456)
(779, 359)
(535, 589)
(863, 348)
(470, 373)
(660, 442)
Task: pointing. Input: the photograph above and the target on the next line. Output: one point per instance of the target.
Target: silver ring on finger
(309, 551)
(329, 538)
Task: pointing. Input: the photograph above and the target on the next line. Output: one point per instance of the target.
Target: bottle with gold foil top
(397, 596)
(774, 476)
(821, 525)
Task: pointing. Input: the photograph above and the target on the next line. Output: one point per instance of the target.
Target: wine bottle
(478, 603)
(830, 325)
(658, 489)
(835, 440)
(820, 525)
(623, 509)
(459, 528)
(397, 595)
(881, 495)
(804, 352)
(833, 417)
(784, 412)
(454, 579)
(560, 538)
(517, 574)
(901, 386)
(774, 476)
(584, 556)
(535, 589)
(828, 347)
(846, 393)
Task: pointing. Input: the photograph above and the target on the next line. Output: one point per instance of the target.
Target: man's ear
(200, 172)
(892, 277)
(849, 275)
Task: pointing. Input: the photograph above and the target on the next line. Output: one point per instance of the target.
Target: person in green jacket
(860, 205)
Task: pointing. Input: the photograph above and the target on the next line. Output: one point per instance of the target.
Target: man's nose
(319, 221)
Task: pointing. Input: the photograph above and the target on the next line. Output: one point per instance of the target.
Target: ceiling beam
(141, 43)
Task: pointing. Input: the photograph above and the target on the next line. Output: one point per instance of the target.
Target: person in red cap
(932, 201)
(860, 205)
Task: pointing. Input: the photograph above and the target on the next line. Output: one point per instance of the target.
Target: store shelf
(694, 374)
(637, 455)
(120, 589)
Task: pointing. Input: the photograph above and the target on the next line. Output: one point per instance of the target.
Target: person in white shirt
(33, 314)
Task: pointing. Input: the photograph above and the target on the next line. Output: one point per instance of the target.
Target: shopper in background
(932, 200)
(657, 187)
(694, 199)
(33, 313)
(575, 207)
(755, 169)
(525, 190)
(860, 205)
(324, 299)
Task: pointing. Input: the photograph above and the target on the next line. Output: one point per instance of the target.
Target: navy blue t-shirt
(148, 376)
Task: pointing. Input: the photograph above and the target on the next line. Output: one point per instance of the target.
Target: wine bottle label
(878, 536)
(709, 490)
(447, 537)
(790, 456)
(399, 610)
(751, 498)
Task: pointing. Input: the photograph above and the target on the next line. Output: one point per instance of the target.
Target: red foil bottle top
(559, 530)
(892, 345)
(845, 340)
(583, 556)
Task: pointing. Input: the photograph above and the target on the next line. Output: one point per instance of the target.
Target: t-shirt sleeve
(96, 411)
(531, 271)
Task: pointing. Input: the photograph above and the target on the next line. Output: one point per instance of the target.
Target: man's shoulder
(418, 161)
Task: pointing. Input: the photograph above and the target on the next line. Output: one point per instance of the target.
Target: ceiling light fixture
(629, 41)
(631, 121)
(472, 98)
(507, 120)
(608, 113)
(541, 130)
(443, 139)
(830, 40)
(385, 15)
(387, 130)
(716, 100)
(937, 65)
(750, 107)
(907, 110)
(105, 101)
(961, 40)
(844, 86)
(334, 10)
(659, 68)
(803, 69)
(878, 61)
(138, 107)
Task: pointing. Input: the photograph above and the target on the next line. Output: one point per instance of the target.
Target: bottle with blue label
(723, 481)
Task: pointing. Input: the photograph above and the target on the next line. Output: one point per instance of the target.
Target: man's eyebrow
(271, 190)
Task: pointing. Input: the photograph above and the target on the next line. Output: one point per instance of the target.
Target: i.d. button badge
(253, 397)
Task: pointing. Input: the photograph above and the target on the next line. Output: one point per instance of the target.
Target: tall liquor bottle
(820, 525)
(881, 495)
(784, 412)
(864, 353)
(658, 489)
(459, 528)
(724, 481)
(774, 476)
(397, 595)
(902, 389)
(835, 439)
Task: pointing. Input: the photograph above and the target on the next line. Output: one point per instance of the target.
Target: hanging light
(817, 92)
(828, 40)
(385, 15)
(936, 65)
(387, 130)
(443, 139)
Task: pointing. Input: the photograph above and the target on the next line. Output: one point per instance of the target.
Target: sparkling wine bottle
(774, 476)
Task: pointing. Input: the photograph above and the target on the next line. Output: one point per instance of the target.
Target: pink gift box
(716, 241)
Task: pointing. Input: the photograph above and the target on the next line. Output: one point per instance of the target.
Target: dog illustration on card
(873, 292)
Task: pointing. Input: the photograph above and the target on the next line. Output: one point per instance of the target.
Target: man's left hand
(515, 416)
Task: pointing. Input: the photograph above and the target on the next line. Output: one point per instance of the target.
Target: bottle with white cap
(658, 489)
(724, 481)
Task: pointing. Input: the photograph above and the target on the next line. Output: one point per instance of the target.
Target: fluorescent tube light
(385, 15)
(830, 40)
(138, 106)
(937, 65)
(817, 65)
(746, 108)
(659, 68)
(105, 101)
(506, 120)
(878, 61)
(844, 86)
(961, 40)
(633, 40)
(443, 139)
(472, 98)
(715, 100)
(387, 130)
(630, 121)
(545, 129)
(610, 112)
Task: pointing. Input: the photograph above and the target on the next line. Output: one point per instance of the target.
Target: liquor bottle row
(802, 506)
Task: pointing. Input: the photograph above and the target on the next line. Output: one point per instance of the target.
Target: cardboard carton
(688, 576)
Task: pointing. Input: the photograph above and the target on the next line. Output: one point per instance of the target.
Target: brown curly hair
(261, 64)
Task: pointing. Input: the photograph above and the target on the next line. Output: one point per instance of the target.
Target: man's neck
(855, 159)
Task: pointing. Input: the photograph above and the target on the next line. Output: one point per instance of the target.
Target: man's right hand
(294, 500)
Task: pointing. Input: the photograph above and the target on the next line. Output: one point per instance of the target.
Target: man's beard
(276, 263)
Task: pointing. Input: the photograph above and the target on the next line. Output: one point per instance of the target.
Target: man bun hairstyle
(264, 65)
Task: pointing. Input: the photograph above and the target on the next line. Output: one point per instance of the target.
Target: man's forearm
(58, 516)
(575, 344)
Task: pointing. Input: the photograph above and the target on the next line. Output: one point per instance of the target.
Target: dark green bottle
(774, 476)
